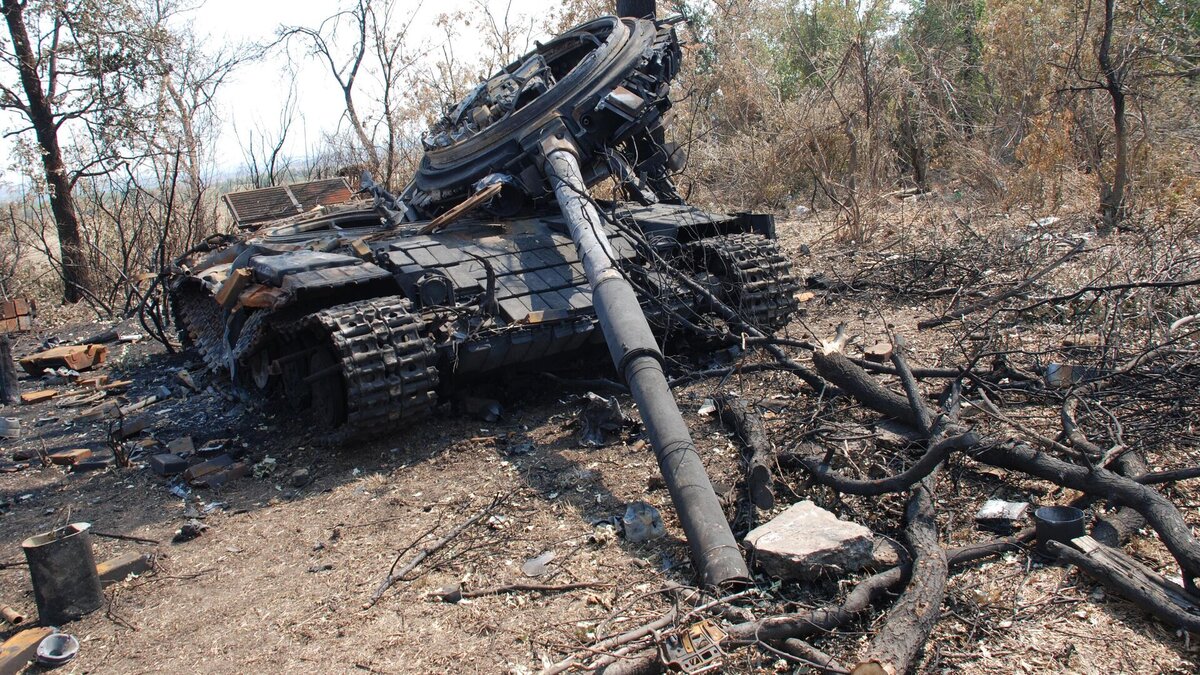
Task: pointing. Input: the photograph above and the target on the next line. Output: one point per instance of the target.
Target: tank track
(388, 369)
(198, 318)
(756, 277)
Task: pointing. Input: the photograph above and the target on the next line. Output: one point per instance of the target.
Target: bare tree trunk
(8, 373)
(41, 116)
(1112, 197)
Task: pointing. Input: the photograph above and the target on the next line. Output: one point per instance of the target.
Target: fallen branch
(1158, 511)
(862, 597)
(750, 429)
(456, 594)
(125, 537)
(1132, 581)
(823, 474)
(959, 314)
(912, 618)
(394, 577)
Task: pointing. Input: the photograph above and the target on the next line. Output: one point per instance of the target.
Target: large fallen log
(910, 621)
(748, 424)
(1132, 580)
(862, 597)
(1159, 512)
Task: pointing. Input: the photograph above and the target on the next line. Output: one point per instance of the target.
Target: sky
(255, 94)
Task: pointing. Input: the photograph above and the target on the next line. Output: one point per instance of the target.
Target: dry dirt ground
(279, 580)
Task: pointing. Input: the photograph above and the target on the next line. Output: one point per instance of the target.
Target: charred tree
(8, 373)
(38, 107)
(1112, 196)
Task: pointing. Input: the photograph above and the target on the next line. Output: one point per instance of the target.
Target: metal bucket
(1058, 523)
(65, 584)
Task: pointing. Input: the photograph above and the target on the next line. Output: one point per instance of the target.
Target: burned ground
(280, 578)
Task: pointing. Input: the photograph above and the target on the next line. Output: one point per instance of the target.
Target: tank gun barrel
(638, 359)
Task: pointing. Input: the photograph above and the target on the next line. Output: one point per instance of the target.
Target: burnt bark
(1116, 529)
(1132, 581)
(9, 389)
(748, 425)
(911, 619)
(38, 108)
(1112, 196)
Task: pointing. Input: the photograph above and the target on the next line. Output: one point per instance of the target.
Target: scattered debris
(1001, 516)
(121, 567)
(12, 616)
(600, 418)
(264, 468)
(57, 649)
(17, 315)
(186, 378)
(92, 381)
(197, 471)
(18, 650)
(131, 427)
(806, 541)
(536, 566)
(39, 396)
(486, 409)
(181, 446)
(10, 427)
(63, 572)
(70, 457)
(167, 464)
(880, 352)
(694, 650)
(642, 522)
(75, 357)
(1058, 523)
(190, 530)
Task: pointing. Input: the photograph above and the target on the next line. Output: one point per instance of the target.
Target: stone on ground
(806, 541)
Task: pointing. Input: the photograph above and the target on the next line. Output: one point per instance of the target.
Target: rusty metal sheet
(257, 206)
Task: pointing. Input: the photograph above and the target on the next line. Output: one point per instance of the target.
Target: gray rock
(806, 541)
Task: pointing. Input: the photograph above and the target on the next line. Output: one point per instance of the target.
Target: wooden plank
(233, 286)
(75, 357)
(20, 649)
(259, 296)
(39, 396)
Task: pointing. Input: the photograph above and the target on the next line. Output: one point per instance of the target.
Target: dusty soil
(279, 580)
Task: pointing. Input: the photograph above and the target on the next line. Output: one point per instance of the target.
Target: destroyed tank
(362, 309)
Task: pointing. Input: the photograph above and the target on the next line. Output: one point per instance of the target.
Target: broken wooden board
(232, 289)
(262, 297)
(106, 409)
(38, 396)
(75, 357)
(20, 649)
(93, 381)
(70, 457)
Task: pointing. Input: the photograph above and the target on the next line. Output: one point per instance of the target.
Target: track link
(387, 368)
(756, 277)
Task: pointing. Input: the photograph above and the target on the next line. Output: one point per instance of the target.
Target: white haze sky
(256, 92)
